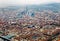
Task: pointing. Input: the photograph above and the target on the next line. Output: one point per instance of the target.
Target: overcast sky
(25, 2)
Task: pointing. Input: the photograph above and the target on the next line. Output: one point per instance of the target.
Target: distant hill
(55, 7)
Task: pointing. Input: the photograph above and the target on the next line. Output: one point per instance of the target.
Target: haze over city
(25, 2)
(29, 20)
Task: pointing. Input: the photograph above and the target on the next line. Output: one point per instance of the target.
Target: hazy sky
(25, 2)
(40, 1)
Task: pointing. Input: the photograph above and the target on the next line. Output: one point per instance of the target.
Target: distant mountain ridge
(52, 6)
